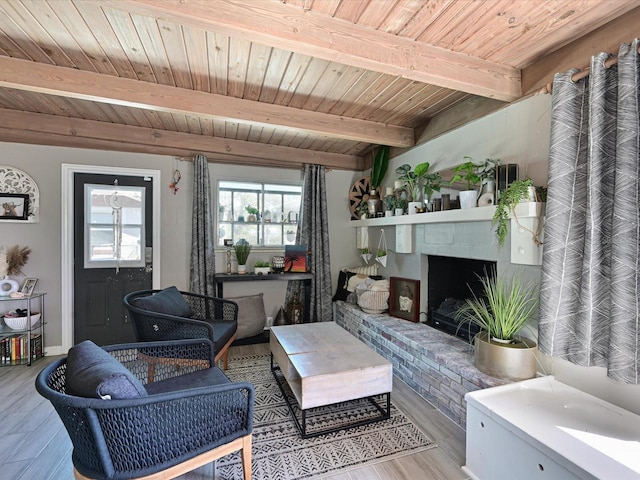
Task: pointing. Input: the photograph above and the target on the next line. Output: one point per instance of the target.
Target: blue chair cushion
(169, 301)
(222, 332)
(93, 373)
(201, 378)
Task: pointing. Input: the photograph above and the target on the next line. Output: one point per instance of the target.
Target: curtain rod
(548, 88)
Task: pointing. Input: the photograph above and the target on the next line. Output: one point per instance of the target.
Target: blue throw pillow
(93, 373)
(168, 301)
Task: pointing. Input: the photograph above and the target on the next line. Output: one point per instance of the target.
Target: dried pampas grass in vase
(12, 259)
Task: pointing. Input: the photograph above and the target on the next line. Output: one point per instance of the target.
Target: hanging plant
(515, 193)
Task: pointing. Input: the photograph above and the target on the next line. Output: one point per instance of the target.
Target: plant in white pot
(242, 249)
(503, 310)
(261, 267)
(466, 172)
(414, 181)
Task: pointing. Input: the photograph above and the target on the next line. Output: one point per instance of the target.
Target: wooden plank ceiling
(281, 83)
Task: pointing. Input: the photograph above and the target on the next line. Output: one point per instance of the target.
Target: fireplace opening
(451, 281)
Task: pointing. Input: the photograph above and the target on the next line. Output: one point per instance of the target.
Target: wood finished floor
(34, 445)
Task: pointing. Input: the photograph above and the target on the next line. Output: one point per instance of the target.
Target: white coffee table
(323, 364)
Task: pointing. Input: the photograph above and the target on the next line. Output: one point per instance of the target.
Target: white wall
(43, 164)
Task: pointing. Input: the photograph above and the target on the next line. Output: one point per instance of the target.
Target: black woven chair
(169, 314)
(188, 415)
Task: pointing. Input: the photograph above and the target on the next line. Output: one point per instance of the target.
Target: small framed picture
(29, 286)
(404, 298)
(14, 206)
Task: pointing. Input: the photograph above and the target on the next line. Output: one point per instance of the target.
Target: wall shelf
(478, 214)
(524, 249)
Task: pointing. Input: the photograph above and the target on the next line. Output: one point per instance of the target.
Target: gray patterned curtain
(589, 305)
(313, 231)
(202, 256)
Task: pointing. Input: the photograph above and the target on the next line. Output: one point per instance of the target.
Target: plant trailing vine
(515, 193)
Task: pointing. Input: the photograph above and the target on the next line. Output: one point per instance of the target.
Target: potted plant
(413, 182)
(516, 192)
(501, 313)
(381, 253)
(466, 172)
(381, 257)
(261, 267)
(431, 183)
(242, 249)
(252, 213)
(400, 207)
(365, 253)
(362, 210)
(379, 166)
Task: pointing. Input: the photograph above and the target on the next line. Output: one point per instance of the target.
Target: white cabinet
(544, 429)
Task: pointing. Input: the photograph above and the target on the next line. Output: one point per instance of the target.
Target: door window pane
(114, 226)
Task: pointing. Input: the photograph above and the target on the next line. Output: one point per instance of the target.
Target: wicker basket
(373, 301)
(20, 323)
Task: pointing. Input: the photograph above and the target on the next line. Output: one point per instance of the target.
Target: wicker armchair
(169, 314)
(190, 415)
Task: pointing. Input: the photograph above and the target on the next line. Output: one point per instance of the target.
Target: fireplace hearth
(451, 281)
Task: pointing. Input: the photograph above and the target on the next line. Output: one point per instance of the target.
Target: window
(114, 226)
(264, 214)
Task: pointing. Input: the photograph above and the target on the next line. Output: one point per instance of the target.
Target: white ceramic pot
(388, 213)
(261, 270)
(242, 269)
(412, 207)
(399, 212)
(8, 286)
(468, 198)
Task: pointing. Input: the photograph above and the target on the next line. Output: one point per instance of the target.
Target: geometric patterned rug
(279, 453)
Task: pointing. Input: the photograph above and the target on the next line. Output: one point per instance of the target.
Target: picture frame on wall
(404, 298)
(14, 206)
(29, 286)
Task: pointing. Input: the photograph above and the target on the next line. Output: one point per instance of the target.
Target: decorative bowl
(20, 323)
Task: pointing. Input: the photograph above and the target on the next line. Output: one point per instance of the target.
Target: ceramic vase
(8, 286)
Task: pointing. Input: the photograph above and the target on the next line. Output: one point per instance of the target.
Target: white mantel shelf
(478, 214)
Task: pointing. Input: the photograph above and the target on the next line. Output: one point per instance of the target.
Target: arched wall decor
(13, 180)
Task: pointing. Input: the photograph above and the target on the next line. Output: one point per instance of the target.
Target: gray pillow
(169, 301)
(93, 373)
(251, 315)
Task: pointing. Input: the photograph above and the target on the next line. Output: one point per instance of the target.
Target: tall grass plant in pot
(503, 310)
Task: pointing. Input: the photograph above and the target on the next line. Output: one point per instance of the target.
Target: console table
(306, 278)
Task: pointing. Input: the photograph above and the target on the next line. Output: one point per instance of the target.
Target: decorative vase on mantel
(8, 286)
(374, 203)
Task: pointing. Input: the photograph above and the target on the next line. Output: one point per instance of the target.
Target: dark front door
(112, 253)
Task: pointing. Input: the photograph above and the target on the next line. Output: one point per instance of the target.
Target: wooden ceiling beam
(578, 53)
(68, 82)
(37, 128)
(291, 28)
